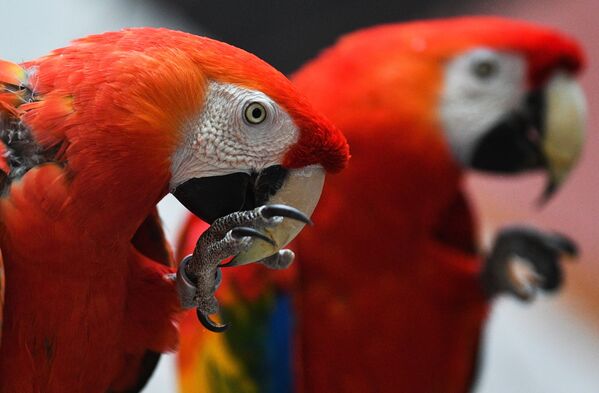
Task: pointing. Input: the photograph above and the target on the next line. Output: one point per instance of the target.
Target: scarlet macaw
(396, 297)
(94, 135)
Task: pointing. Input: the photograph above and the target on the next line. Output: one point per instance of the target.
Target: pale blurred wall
(550, 347)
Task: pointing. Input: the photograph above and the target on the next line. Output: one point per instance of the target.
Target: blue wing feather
(279, 346)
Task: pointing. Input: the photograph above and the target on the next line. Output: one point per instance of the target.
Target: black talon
(564, 244)
(240, 232)
(209, 323)
(279, 210)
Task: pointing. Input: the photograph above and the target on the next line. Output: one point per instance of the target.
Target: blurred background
(551, 346)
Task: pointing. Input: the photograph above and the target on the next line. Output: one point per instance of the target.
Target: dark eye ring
(255, 113)
(485, 69)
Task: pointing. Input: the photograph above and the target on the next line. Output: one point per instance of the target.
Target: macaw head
(502, 93)
(144, 111)
(255, 141)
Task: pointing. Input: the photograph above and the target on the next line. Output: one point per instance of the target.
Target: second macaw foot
(524, 260)
(199, 274)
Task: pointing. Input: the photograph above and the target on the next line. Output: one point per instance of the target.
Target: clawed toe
(270, 211)
(241, 232)
(209, 323)
(525, 260)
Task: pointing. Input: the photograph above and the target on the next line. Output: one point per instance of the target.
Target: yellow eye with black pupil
(255, 113)
(485, 69)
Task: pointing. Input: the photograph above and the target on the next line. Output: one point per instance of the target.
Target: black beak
(513, 145)
(546, 133)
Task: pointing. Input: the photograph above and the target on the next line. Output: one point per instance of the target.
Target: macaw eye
(485, 69)
(255, 113)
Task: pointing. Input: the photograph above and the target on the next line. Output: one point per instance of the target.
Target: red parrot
(392, 296)
(94, 135)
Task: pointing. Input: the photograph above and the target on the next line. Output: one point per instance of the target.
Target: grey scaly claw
(228, 236)
(187, 289)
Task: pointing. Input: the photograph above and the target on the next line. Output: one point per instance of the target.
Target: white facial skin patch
(481, 86)
(238, 130)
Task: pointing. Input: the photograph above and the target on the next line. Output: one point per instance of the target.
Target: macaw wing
(149, 243)
(20, 151)
(255, 353)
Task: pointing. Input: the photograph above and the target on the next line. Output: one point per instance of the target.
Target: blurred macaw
(392, 296)
(93, 136)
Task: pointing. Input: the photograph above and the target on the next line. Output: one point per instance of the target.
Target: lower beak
(564, 122)
(301, 190)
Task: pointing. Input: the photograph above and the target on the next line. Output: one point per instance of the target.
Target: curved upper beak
(564, 123)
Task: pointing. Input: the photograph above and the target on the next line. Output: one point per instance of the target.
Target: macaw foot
(524, 260)
(199, 274)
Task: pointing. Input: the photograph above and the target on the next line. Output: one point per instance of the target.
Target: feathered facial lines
(480, 86)
(232, 160)
(238, 130)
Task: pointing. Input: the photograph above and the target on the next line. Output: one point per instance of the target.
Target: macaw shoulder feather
(21, 149)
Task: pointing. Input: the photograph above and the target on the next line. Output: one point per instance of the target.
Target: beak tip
(550, 190)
